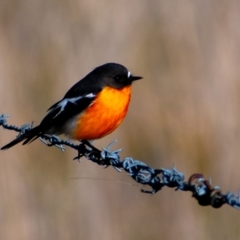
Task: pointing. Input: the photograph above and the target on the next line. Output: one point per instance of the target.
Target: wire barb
(202, 190)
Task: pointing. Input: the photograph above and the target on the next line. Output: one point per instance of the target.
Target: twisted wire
(202, 190)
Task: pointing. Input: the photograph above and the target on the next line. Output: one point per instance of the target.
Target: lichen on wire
(202, 190)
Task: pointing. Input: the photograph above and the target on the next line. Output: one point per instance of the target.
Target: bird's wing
(65, 109)
(75, 101)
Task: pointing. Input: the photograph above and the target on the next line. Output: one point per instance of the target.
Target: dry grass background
(186, 111)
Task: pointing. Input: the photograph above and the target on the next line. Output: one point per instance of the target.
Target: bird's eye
(117, 78)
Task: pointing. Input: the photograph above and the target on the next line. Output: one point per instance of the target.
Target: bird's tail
(28, 136)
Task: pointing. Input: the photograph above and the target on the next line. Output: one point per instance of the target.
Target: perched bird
(91, 109)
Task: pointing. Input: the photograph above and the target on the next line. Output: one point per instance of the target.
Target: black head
(114, 75)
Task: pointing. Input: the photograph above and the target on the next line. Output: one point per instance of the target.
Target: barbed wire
(202, 189)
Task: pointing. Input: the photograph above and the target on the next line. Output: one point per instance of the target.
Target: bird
(91, 109)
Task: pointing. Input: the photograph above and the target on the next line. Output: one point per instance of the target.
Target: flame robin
(91, 109)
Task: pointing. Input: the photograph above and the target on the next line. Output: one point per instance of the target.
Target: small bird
(91, 109)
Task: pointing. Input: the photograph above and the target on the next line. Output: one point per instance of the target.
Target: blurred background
(186, 111)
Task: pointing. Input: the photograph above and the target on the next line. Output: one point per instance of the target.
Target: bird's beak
(134, 78)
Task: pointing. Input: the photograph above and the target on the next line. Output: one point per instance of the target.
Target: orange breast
(104, 115)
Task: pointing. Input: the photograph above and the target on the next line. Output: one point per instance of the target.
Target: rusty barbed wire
(202, 189)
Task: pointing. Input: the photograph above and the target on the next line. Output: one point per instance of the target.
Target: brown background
(185, 112)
